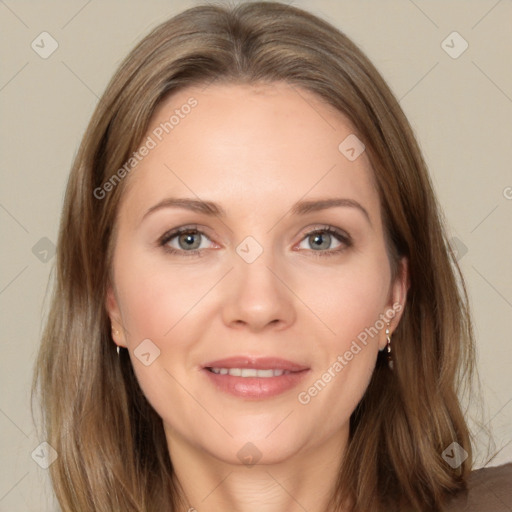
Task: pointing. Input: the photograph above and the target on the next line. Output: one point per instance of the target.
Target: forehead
(248, 145)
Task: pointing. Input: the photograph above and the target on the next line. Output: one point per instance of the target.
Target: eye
(189, 240)
(326, 241)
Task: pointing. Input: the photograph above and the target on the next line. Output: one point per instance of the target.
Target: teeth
(249, 372)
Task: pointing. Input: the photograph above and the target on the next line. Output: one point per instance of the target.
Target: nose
(258, 296)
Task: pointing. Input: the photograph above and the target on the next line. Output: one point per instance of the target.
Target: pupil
(188, 241)
(320, 242)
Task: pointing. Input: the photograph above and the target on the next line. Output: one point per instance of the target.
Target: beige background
(461, 110)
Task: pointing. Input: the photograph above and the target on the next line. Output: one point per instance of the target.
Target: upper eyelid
(171, 233)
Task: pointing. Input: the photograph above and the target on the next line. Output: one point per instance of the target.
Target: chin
(247, 451)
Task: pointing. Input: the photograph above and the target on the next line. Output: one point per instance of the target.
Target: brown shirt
(489, 490)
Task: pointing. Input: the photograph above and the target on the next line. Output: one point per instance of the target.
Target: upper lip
(258, 363)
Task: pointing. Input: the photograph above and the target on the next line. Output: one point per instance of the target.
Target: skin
(256, 151)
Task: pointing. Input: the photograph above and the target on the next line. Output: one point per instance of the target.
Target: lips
(257, 363)
(254, 378)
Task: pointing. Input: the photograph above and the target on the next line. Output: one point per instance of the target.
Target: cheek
(160, 303)
(335, 304)
(357, 296)
(349, 298)
(155, 297)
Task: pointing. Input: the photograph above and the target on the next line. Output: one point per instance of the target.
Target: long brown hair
(112, 452)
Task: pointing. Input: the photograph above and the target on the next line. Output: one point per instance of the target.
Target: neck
(305, 481)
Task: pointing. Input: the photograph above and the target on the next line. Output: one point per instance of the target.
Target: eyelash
(339, 235)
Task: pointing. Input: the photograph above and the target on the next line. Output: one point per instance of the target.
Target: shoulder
(489, 490)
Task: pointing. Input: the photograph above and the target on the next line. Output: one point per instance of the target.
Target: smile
(248, 372)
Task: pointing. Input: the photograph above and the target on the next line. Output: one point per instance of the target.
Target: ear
(114, 313)
(398, 298)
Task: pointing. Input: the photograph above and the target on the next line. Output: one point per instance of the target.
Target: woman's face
(249, 327)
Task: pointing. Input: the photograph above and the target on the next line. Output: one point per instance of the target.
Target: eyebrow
(213, 209)
(304, 207)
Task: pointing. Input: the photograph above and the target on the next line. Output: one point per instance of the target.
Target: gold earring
(388, 347)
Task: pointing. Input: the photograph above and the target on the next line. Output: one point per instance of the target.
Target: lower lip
(256, 388)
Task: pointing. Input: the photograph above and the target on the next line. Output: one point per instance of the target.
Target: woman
(256, 307)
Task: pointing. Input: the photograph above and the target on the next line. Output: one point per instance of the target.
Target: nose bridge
(257, 297)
